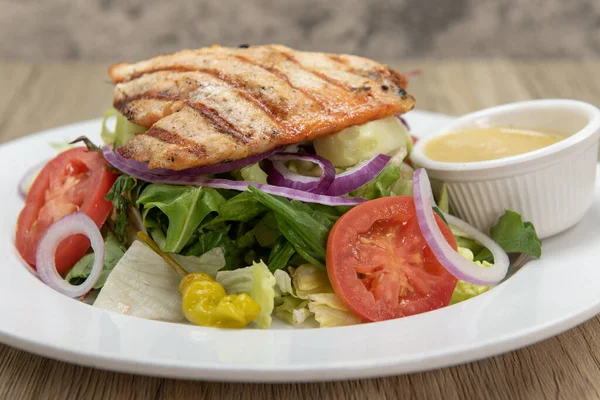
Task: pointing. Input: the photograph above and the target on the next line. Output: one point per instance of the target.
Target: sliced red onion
(28, 178)
(124, 165)
(358, 175)
(72, 224)
(456, 264)
(404, 122)
(280, 175)
(208, 170)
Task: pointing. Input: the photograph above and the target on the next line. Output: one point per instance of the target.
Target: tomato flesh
(381, 267)
(74, 181)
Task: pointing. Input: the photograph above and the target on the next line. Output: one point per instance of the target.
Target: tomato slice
(75, 180)
(380, 265)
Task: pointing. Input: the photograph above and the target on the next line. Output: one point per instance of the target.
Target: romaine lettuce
(258, 282)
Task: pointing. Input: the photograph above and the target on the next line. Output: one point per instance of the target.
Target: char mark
(284, 78)
(316, 73)
(220, 123)
(173, 138)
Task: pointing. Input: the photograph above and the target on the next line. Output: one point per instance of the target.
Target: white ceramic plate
(543, 299)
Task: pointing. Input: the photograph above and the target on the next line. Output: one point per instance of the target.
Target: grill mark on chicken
(172, 138)
(318, 74)
(219, 122)
(272, 96)
(272, 110)
(284, 78)
(338, 59)
(277, 114)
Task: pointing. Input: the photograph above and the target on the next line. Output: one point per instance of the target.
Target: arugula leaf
(113, 251)
(122, 196)
(185, 208)
(242, 207)
(514, 236)
(306, 229)
(281, 254)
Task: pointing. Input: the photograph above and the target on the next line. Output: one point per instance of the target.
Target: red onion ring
(404, 122)
(456, 264)
(208, 170)
(72, 224)
(125, 166)
(280, 175)
(358, 175)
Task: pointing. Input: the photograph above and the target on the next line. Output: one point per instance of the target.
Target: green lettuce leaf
(213, 239)
(258, 282)
(308, 279)
(281, 253)
(253, 173)
(210, 262)
(292, 310)
(514, 236)
(284, 283)
(113, 251)
(243, 207)
(309, 294)
(381, 185)
(123, 194)
(124, 130)
(185, 207)
(266, 230)
(329, 311)
(464, 290)
(306, 230)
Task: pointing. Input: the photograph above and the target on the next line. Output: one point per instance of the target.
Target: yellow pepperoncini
(205, 303)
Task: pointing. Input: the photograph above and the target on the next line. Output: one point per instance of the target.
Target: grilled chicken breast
(218, 104)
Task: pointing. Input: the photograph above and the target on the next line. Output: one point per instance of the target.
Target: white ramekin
(552, 187)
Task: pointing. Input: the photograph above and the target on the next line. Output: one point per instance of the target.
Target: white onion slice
(456, 264)
(72, 224)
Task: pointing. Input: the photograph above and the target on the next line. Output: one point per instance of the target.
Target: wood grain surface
(35, 97)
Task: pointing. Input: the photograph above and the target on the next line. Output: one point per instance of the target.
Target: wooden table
(36, 97)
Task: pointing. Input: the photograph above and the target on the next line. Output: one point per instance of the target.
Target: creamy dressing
(483, 144)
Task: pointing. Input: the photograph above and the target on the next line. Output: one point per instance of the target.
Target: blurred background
(54, 54)
(115, 30)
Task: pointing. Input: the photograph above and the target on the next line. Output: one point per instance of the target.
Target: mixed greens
(224, 255)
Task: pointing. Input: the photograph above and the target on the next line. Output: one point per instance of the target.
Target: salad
(338, 231)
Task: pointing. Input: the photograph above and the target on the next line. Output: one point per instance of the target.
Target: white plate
(543, 299)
